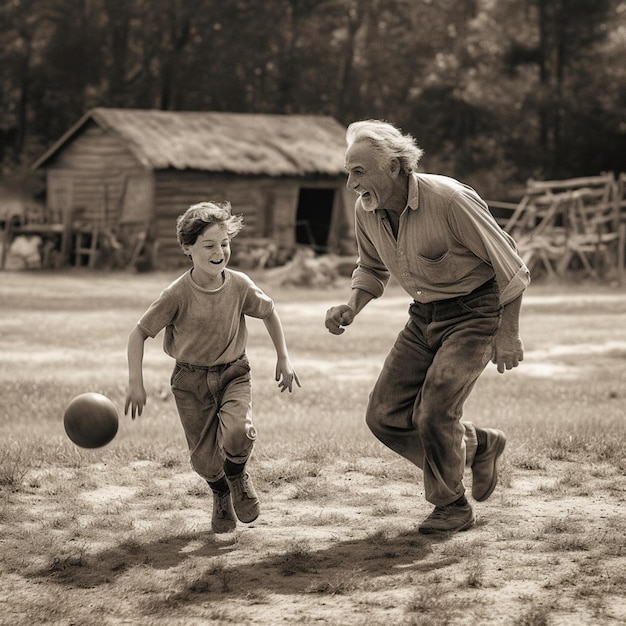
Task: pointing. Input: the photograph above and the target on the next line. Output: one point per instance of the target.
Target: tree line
(495, 91)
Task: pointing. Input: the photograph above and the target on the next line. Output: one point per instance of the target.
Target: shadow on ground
(298, 569)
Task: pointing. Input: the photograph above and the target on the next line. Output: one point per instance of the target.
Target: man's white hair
(389, 140)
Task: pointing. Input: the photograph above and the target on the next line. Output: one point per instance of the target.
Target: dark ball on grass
(91, 420)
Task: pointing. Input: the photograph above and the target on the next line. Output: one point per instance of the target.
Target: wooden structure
(119, 178)
(575, 225)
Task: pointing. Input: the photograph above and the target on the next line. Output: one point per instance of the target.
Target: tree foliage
(495, 91)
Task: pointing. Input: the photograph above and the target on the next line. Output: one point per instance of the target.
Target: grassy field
(121, 535)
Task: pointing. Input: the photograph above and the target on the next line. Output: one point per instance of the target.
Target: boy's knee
(237, 444)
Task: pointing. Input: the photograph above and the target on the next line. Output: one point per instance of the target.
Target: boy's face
(210, 253)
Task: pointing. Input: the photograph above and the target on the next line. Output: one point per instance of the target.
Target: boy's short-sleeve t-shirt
(206, 327)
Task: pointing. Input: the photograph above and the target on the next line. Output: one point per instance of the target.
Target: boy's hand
(135, 400)
(286, 375)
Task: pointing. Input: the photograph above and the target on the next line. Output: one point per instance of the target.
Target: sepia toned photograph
(313, 312)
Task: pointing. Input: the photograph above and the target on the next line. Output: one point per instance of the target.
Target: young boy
(203, 313)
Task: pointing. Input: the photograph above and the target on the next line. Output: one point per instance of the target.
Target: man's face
(370, 175)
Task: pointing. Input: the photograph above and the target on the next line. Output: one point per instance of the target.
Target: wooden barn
(120, 177)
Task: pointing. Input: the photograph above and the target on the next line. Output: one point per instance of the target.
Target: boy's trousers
(215, 408)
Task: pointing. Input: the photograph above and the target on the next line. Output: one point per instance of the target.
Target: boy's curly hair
(191, 224)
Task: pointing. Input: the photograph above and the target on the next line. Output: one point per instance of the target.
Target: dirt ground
(114, 541)
(345, 552)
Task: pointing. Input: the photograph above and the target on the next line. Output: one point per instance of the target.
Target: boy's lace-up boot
(223, 518)
(245, 499)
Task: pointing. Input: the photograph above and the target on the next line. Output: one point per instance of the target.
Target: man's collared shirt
(448, 244)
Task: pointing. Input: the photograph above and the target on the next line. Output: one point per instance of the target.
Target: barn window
(313, 217)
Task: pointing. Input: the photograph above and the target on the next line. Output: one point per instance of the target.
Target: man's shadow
(297, 569)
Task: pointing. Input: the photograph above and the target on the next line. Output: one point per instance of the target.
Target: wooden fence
(575, 226)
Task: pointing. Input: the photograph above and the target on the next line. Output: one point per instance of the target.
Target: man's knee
(425, 423)
(372, 421)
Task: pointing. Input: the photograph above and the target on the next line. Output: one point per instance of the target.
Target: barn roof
(240, 143)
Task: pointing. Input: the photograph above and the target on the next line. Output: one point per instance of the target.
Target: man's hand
(337, 317)
(508, 351)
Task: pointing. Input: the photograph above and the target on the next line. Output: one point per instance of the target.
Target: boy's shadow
(296, 570)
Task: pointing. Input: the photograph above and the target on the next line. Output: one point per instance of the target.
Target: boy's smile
(210, 255)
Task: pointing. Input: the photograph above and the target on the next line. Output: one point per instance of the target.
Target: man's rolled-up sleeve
(473, 223)
(371, 274)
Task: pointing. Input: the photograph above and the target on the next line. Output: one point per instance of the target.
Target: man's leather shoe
(448, 519)
(485, 465)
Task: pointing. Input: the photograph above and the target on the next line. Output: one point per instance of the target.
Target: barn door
(59, 196)
(137, 200)
(135, 221)
(60, 206)
(314, 216)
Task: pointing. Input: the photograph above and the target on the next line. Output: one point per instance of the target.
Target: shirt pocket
(441, 271)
